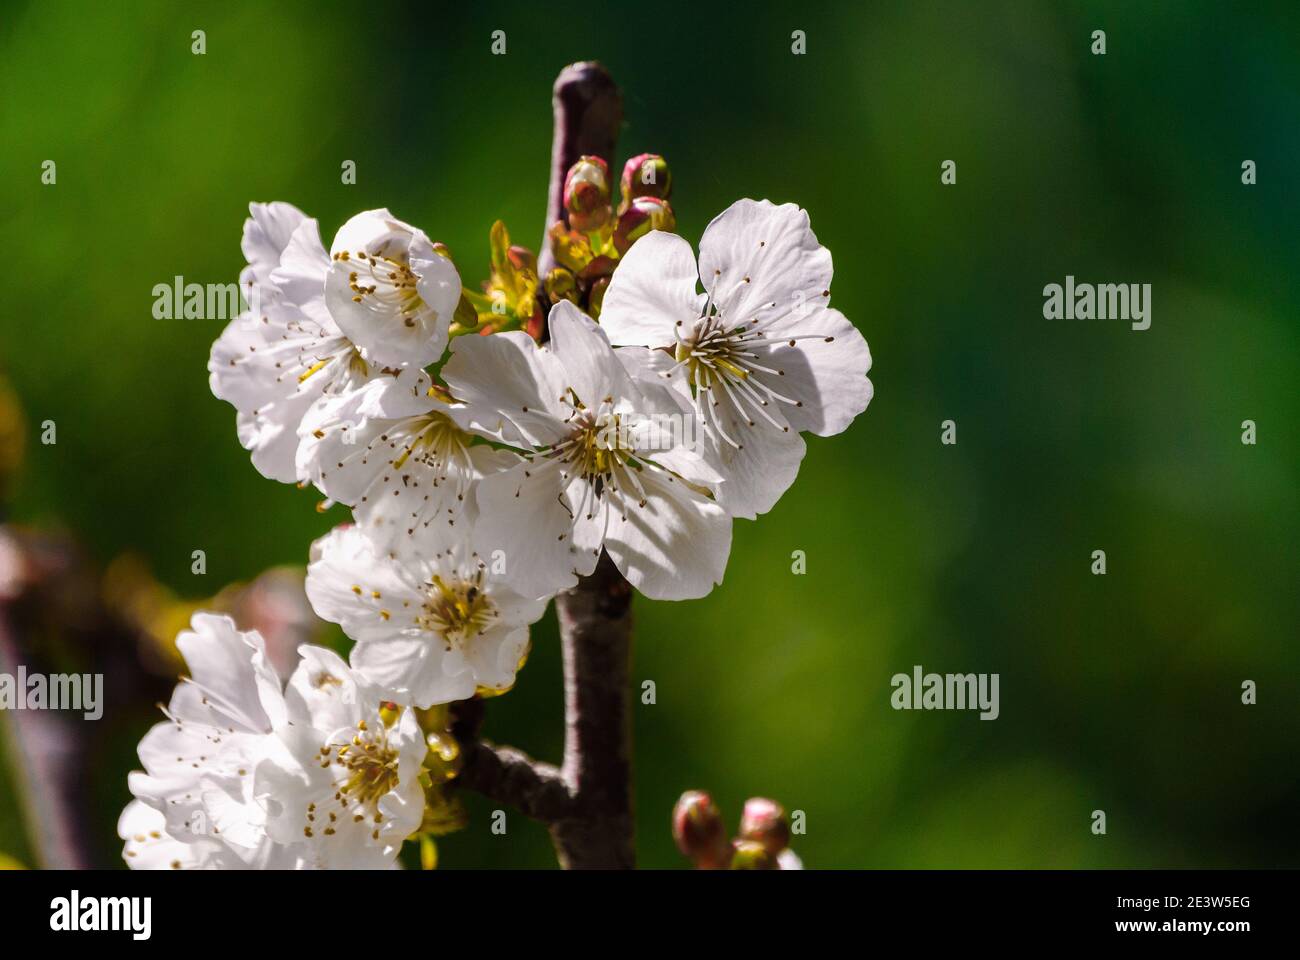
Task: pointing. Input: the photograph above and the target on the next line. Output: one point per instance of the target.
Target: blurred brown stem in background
(53, 619)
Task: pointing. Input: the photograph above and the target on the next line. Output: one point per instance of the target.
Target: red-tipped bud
(643, 215)
(699, 831)
(586, 194)
(752, 855)
(764, 821)
(646, 175)
(521, 258)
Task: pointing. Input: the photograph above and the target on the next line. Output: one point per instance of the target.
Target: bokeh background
(1119, 692)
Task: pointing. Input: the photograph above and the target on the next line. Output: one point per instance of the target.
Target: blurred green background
(1119, 693)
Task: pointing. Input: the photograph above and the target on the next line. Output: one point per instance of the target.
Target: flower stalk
(587, 802)
(596, 639)
(595, 616)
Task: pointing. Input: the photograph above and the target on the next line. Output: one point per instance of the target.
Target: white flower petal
(494, 657)
(510, 386)
(273, 439)
(350, 584)
(299, 278)
(539, 554)
(231, 670)
(824, 370)
(756, 257)
(323, 691)
(675, 547)
(272, 368)
(584, 354)
(658, 368)
(149, 846)
(403, 663)
(652, 290)
(388, 290)
(756, 474)
(266, 234)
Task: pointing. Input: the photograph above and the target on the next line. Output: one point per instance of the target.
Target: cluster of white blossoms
(485, 473)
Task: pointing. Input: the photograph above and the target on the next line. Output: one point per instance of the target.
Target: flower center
(366, 770)
(722, 364)
(435, 440)
(385, 285)
(602, 451)
(598, 447)
(458, 610)
(711, 353)
(342, 367)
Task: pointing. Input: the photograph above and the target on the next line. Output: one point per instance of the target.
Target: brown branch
(595, 616)
(596, 637)
(53, 619)
(588, 111)
(510, 776)
(44, 750)
(588, 802)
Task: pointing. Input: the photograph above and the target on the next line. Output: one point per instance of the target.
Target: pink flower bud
(764, 822)
(521, 258)
(645, 175)
(586, 194)
(643, 215)
(699, 831)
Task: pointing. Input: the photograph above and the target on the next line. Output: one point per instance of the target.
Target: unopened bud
(699, 831)
(521, 258)
(646, 175)
(763, 821)
(561, 285)
(642, 215)
(586, 194)
(752, 855)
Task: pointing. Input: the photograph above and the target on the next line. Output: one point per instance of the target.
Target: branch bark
(510, 776)
(596, 639)
(587, 803)
(595, 616)
(588, 111)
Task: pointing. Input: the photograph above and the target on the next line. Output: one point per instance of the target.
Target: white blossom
(760, 353)
(199, 763)
(593, 478)
(399, 456)
(148, 846)
(389, 291)
(275, 360)
(344, 777)
(432, 628)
